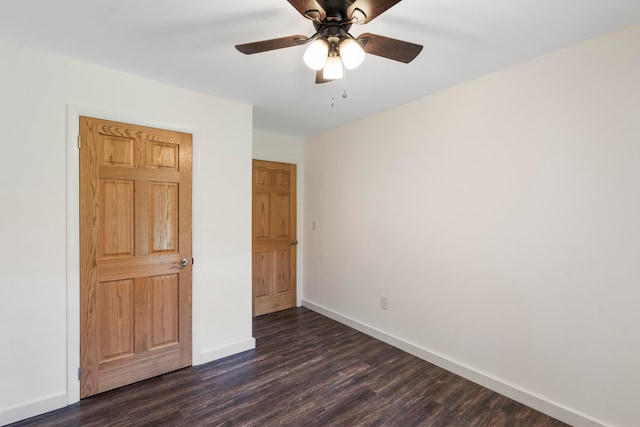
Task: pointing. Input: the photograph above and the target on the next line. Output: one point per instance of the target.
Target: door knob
(184, 262)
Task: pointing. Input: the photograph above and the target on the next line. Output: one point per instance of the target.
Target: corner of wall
(228, 350)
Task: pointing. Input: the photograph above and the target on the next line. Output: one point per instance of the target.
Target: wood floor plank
(306, 370)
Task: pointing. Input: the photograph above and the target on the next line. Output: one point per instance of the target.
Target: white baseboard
(227, 350)
(31, 409)
(532, 400)
(51, 403)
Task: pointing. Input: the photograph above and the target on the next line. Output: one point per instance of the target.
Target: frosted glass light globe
(333, 69)
(316, 54)
(351, 53)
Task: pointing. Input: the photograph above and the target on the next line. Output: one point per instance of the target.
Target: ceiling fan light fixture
(351, 53)
(333, 69)
(332, 49)
(316, 54)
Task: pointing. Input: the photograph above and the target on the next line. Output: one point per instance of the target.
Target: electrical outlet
(384, 302)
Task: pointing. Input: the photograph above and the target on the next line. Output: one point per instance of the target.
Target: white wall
(502, 220)
(39, 93)
(286, 149)
(277, 147)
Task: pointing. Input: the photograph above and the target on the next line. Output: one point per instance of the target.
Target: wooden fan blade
(371, 8)
(272, 44)
(320, 77)
(386, 47)
(304, 6)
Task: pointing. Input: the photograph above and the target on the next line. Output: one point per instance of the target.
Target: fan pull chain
(333, 88)
(344, 92)
(333, 91)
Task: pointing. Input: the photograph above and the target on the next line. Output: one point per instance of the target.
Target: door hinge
(79, 142)
(192, 261)
(79, 374)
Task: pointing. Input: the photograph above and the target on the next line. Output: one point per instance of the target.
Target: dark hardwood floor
(307, 370)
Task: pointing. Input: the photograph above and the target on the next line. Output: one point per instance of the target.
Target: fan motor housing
(331, 29)
(336, 10)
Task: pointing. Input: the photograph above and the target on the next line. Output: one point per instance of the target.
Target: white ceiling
(190, 43)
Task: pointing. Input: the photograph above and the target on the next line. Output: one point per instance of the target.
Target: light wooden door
(135, 253)
(274, 236)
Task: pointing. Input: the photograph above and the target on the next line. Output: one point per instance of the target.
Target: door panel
(274, 236)
(163, 310)
(281, 216)
(116, 319)
(116, 220)
(163, 217)
(135, 226)
(283, 271)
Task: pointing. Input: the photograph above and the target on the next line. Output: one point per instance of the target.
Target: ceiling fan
(332, 46)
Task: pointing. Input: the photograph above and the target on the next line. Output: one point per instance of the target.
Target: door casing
(73, 232)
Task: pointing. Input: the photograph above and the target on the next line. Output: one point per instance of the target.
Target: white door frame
(73, 231)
